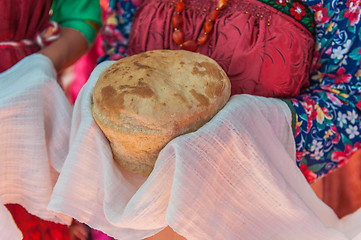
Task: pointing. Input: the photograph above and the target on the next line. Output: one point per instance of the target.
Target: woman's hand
(66, 50)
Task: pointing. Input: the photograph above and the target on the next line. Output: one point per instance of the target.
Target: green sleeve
(293, 111)
(82, 15)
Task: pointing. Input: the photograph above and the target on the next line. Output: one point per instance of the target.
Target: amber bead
(208, 26)
(178, 36)
(222, 4)
(180, 6)
(213, 15)
(177, 20)
(202, 39)
(190, 45)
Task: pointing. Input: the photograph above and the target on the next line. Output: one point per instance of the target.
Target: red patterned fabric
(20, 20)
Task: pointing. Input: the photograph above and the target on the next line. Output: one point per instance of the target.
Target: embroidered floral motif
(298, 11)
(282, 2)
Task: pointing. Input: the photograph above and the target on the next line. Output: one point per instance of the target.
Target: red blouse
(20, 20)
(264, 51)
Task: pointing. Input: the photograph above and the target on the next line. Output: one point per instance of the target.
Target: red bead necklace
(177, 20)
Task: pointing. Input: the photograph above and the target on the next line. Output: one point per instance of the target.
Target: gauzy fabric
(234, 178)
(35, 120)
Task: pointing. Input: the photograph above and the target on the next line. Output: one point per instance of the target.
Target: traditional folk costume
(264, 46)
(236, 176)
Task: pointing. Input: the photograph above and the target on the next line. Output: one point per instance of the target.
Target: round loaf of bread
(144, 101)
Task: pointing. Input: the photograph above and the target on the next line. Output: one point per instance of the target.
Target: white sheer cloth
(8, 228)
(235, 178)
(35, 119)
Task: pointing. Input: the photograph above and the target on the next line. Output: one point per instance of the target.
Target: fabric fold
(35, 123)
(235, 176)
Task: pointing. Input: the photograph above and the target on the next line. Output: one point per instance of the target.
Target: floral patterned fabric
(115, 32)
(295, 10)
(325, 116)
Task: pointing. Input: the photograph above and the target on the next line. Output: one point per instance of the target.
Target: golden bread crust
(143, 101)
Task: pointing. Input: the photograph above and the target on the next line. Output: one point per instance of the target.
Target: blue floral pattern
(326, 116)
